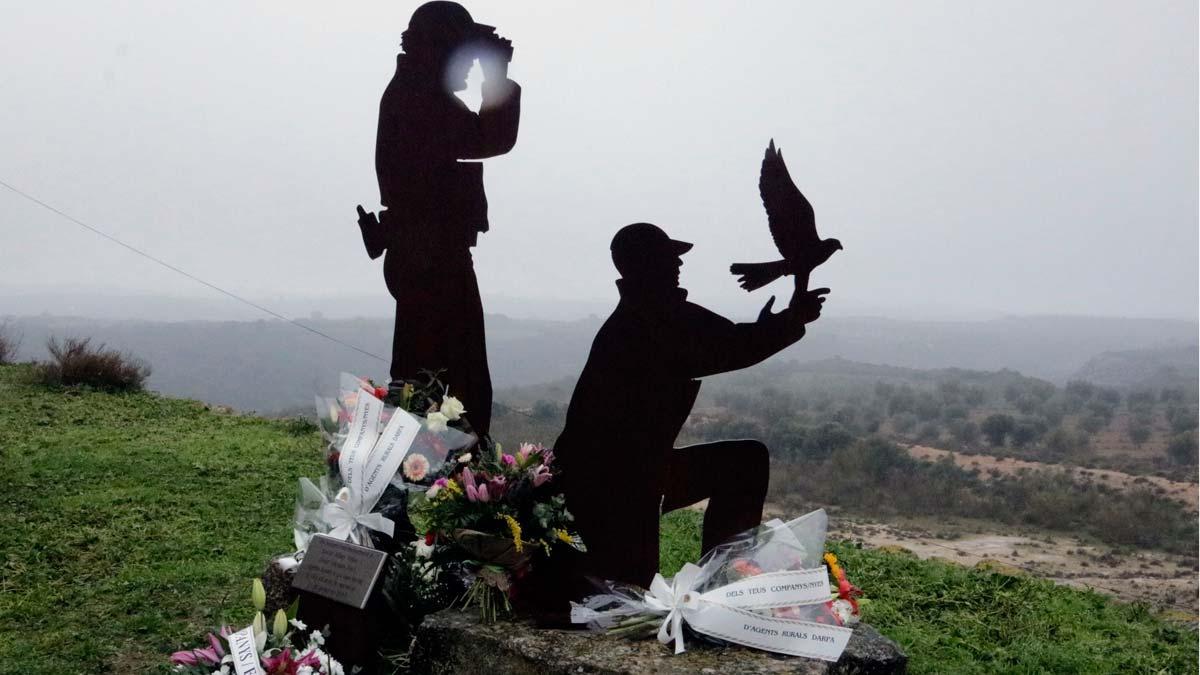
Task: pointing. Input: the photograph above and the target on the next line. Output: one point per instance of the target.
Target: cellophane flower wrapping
(444, 434)
(774, 546)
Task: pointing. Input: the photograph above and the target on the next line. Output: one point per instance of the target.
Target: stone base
(457, 642)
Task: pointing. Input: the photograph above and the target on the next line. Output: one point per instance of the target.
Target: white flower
(463, 459)
(436, 421)
(844, 611)
(305, 670)
(452, 408)
(298, 624)
(316, 638)
(432, 491)
(423, 550)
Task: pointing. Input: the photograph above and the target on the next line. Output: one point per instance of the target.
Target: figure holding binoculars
(434, 201)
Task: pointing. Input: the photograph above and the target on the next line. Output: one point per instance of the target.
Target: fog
(974, 158)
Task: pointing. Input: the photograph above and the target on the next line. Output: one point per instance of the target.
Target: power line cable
(189, 275)
(213, 286)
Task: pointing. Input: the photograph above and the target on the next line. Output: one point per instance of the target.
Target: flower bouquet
(259, 648)
(379, 445)
(496, 513)
(765, 588)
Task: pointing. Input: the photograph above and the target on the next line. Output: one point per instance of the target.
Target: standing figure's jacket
(436, 207)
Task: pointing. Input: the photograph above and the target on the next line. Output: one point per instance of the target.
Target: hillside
(136, 521)
(270, 366)
(1144, 368)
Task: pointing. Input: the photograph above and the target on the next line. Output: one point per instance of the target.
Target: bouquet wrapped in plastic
(380, 445)
(494, 515)
(765, 588)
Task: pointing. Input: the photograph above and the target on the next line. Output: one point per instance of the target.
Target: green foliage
(1182, 448)
(132, 523)
(879, 477)
(997, 428)
(952, 619)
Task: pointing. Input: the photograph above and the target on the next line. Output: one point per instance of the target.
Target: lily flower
(540, 475)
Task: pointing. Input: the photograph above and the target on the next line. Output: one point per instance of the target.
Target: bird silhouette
(793, 227)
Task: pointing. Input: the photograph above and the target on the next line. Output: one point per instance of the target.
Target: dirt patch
(1185, 493)
(1163, 580)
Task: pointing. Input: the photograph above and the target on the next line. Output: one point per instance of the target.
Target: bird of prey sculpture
(793, 227)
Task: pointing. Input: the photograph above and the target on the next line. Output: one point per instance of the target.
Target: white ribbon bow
(674, 598)
(344, 518)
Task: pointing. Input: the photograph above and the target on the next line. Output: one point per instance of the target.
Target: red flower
(380, 393)
(430, 537)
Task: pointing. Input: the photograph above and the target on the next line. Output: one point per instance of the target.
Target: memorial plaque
(339, 570)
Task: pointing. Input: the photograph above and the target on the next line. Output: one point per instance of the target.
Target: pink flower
(216, 645)
(483, 494)
(508, 459)
(416, 466)
(525, 450)
(191, 657)
(540, 475)
(497, 487)
(284, 663)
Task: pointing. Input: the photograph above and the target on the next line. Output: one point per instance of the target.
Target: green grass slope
(132, 524)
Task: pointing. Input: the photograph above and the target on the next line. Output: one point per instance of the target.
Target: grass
(953, 619)
(132, 524)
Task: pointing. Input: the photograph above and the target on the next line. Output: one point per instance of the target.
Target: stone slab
(457, 642)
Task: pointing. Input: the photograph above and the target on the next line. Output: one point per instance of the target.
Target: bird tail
(753, 276)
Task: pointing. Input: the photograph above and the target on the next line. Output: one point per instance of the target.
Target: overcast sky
(1008, 157)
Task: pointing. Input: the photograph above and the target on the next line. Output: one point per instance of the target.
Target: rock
(457, 642)
(278, 584)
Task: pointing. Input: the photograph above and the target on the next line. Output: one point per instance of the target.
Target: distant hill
(1144, 368)
(271, 365)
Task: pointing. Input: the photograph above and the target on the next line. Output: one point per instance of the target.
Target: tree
(1182, 448)
(1092, 423)
(826, 438)
(1139, 432)
(997, 427)
(966, 432)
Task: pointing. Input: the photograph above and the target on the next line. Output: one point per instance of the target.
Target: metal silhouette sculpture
(435, 205)
(793, 227)
(620, 467)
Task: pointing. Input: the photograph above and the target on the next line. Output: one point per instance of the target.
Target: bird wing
(790, 216)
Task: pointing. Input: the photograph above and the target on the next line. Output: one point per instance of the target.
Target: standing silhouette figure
(435, 205)
(620, 469)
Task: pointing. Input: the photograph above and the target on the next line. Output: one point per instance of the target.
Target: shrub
(75, 361)
(8, 344)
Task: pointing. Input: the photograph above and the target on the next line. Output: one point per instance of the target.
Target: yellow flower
(452, 488)
(564, 537)
(834, 567)
(515, 528)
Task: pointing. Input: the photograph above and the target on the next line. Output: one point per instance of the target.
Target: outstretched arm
(717, 345)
